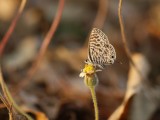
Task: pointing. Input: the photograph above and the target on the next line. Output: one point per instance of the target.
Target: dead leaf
(134, 85)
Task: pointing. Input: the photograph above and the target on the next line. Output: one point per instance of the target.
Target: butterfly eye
(86, 61)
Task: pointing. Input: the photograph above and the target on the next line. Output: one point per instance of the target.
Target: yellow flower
(88, 70)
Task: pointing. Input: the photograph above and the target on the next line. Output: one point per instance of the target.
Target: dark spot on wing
(107, 45)
(98, 45)
(98, 40)
(100, 50)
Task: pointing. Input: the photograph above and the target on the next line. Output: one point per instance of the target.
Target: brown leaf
(134, 85)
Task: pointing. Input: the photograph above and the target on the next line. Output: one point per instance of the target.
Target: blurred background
(56, 88)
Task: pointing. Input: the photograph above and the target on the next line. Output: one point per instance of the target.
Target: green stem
(10, 99)
(92, 89)
(15, 104)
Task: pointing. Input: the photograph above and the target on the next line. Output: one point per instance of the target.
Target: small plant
(100, 53)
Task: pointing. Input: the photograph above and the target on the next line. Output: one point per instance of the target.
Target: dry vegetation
(43, 45)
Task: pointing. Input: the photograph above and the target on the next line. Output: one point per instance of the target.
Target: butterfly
(100, 51)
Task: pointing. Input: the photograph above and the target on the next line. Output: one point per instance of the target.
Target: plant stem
(15, 104)
(124, 40)
(32, 70)
(92, 89)
(12, 26)
(10, 99)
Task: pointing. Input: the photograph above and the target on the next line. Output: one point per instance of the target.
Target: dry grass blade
(8, 106)
(124, 39)
(101, 14)
(11, 28)
(9, 102)
(100, 18)
(43, 48)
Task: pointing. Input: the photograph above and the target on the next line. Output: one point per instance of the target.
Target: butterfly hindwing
(100, 52)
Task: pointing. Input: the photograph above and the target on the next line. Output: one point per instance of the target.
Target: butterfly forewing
(100, 52)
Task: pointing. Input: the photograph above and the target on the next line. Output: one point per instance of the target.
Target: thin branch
(123, 32)
(100, 17)
(43, 49)
(101, 14)
(48, 37)
(11, 28)
(124, 39)
(10, 98)
(9, 101)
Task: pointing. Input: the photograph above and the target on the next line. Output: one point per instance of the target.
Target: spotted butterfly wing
(100, 52)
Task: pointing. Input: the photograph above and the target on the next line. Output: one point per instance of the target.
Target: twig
(11, 28)
(123, 32)
(100, 17)
(43, 49)
(124, 39)
(7, 105)
(15, 104)
(9, 101)
(101, 14)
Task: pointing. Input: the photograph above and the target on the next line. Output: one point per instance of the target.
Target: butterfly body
(101, 52)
